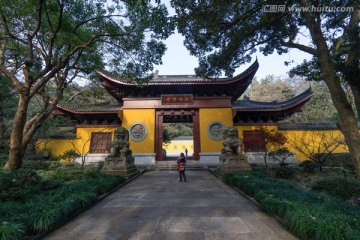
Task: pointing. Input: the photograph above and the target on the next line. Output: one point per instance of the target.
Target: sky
(178, 61)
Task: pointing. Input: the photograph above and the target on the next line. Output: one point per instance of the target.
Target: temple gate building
(209, 104)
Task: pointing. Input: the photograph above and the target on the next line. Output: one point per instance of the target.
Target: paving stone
(157, 206)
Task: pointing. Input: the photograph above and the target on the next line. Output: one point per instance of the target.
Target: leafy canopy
(224, 35)
(124, 36)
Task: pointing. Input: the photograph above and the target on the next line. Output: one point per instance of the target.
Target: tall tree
(224, 36)
(53, 42)
(7, 99)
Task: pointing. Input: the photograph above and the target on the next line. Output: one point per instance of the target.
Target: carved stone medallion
(215, 130)
(138, 131)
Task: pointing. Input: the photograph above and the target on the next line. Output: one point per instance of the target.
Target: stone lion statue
(232, 143)
(120, 146)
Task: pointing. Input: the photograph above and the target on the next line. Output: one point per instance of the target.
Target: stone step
(172, 165)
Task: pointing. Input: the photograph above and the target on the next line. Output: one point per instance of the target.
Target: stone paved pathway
(157, 206)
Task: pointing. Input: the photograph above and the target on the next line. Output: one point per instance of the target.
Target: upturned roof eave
(295, 104)
(66, 110)
(216, 81)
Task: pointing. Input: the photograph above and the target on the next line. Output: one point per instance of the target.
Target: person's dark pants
(182, 175)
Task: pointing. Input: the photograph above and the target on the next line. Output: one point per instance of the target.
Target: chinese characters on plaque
(176, 99)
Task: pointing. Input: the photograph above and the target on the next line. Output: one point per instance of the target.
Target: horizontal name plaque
(169, 99)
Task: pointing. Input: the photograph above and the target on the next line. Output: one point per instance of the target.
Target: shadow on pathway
(157, 206)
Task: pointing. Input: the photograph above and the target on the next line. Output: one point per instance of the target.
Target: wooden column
(196, 134)
(159, 134)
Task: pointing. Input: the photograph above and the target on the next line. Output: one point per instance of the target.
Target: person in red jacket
(181, 166)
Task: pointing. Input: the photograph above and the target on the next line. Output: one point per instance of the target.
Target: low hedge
(308, 214)
(345, 188)
(43, 209)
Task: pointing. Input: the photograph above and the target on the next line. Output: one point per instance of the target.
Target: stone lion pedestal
(120, 160)
(233, 163)
(232, 159)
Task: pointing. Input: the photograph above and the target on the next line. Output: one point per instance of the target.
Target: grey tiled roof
(90, 108)
(178, 79)
(310, 126)
(247, 104)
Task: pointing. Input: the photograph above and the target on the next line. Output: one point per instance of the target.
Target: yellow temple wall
(147, 117)
(55, 147)
(311, 138)
(208, 115)
(314, 139)
(81, 144)
(175, 147)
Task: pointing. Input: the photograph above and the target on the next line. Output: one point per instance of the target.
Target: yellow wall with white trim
(147, 117)
(208, 115)
(81, 143)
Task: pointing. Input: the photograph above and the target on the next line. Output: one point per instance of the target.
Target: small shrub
(280, 155)
(54, 165)
(69, 155)
(308, 166)
(22, 183)
(342, 160)
(70, 164)
(18, 179)
(36, 164)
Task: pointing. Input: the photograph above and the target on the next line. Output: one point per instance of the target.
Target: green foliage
(45, 209)
(19, 178)
(308, 214)
(342, 160)
(70, 155)
(80, 37)
(11, 230)
(178, 129)
(308, 166)
(22, 183)
(71, 174)
(284, 172)
(342, 187)
(280, 155)
(166, 137)
(41, 164)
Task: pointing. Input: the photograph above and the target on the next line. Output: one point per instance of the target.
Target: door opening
(186, 140)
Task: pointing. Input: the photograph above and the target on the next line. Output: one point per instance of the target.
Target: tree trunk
(33, 127)
(356, 92)
(2, 131)
(16, 147)
(348, 122)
